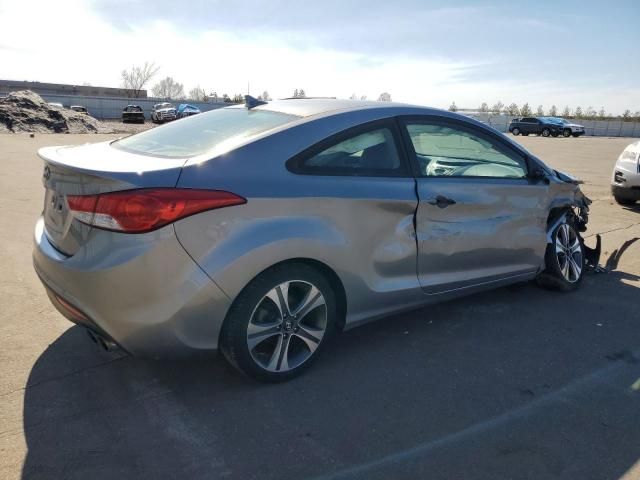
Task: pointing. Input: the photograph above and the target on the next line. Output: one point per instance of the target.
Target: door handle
(441, 201)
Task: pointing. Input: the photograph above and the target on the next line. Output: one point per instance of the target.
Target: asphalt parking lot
(518, 383)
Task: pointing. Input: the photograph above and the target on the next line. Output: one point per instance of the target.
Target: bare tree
(363, 97)
(295, 93)
(525, 111)
(566, 112)
(626, 115)
(135, 79)
(553, 111)
(214, 96)
(484, 108)
(590, 112)
(578, 113)
(265, 96)
(497, 108)
(540, 111)
(602, 114)
(168, 88)
(198, 94)
(453, 107)
(301, 93)
(512, 109)
(384, 97)
(353, 96)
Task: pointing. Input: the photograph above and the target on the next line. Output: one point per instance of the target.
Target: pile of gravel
(26, 111)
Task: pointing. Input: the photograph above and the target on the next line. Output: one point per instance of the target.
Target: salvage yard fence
(106, 108)
(597, 128)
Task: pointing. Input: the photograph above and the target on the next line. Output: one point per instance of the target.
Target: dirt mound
(26, 111)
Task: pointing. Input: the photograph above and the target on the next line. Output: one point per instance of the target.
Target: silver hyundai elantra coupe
(262, 230)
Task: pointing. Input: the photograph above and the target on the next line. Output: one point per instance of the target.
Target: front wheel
(279, 323)
(515, 131)
(546, 132)
(566, 133)
(564, 258)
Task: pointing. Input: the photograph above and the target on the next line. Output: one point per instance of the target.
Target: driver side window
(450, 151)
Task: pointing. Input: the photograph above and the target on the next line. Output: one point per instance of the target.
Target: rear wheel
(554, 134)
(566, 133)
(546, 132)
(564, 258)
(279, 323)
(516, 131)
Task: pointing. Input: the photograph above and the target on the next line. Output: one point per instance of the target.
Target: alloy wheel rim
(287, 326)
(569, 253)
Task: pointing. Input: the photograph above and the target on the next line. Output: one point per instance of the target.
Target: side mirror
(537, 173)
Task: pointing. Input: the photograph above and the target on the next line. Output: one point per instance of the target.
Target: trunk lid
(91, 169)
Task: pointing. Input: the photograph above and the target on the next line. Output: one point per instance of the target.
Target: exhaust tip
(106, 344)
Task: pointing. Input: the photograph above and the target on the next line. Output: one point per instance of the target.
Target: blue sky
(427, 52)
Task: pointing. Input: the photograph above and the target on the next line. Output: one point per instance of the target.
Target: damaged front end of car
(576, 211)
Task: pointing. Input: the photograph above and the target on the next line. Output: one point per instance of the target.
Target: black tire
(562, 275)
(516, 131)
(566, 133)
(575, 135)
(555, 134)
(525, 134)
(624, 201)
(234, 335)
(546, 132)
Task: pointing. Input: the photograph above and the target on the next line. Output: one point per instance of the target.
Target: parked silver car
(263, 230)
(625, 179)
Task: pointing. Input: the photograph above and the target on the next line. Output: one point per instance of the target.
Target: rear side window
(219, 129)
(366, 153)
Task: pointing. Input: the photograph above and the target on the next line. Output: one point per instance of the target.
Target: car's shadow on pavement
(515, 383)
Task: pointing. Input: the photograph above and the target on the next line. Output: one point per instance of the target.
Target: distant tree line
(526, 110)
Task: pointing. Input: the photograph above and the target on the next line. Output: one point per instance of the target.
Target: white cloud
(67, 42)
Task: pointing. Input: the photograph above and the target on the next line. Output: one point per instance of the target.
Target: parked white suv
(163, 112)
(625, 180)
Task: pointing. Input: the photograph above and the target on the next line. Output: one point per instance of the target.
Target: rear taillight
(138, 211)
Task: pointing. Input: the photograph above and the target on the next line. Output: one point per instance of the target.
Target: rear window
(221, 128)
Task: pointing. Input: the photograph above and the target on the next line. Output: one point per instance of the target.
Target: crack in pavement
(53, 379)
(613, 230)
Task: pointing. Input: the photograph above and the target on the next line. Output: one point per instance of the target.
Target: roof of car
(306, 107)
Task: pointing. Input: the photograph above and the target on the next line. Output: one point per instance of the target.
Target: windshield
(224, 127)
(557, 120)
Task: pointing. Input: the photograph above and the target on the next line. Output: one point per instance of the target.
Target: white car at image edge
(625, 179)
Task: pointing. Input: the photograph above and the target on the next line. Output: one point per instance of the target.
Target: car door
(527, 125)
(536, 126)
(480, 219)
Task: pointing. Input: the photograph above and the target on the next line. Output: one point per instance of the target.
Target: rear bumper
(143, 292)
